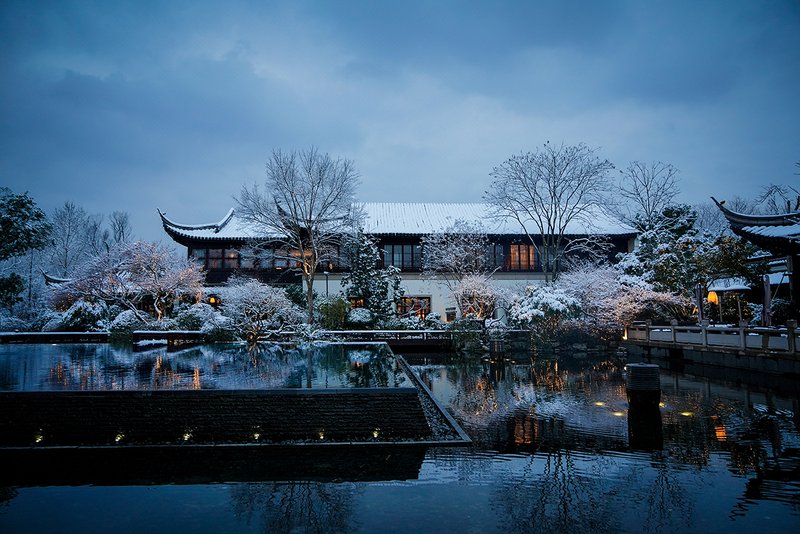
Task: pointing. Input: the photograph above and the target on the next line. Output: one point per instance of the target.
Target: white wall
(440, 296)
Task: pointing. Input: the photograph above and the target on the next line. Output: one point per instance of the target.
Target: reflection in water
(296, 506)
(558, 411)
(106, 367)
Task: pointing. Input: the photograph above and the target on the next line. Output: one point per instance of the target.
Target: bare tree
(711, 220)
(69, 238)
(547, 191)
(131, 274)
(119, 226)
(77, 237)
(779, 198)
(306, 206)
(644, 191)
(461, 249)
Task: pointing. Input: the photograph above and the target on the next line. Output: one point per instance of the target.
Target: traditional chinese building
(398, 229)
(778, 234)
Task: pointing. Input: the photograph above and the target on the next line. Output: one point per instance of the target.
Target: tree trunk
(310, 297)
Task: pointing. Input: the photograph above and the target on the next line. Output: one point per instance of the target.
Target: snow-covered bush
(126, 322)
(255, 307)
(85, 316)
(433, 321)
(195, 316)
(544, 306)
(360, 318)
(9, 323)
(218, 328)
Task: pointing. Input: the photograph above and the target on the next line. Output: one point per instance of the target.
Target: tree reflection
(556, 497)
(296, 506)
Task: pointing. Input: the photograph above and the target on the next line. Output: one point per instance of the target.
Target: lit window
(231, 259)
(522, 258)
(412, 305)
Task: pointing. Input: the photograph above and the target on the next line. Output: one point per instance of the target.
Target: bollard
(643, 386)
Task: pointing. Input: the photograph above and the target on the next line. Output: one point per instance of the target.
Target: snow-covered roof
(411, 218)
(729, 284)
(430, 217)
(787, 231)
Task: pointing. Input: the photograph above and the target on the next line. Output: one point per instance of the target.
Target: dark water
(557, 449)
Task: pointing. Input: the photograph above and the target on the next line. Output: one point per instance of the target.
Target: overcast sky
(137, 105)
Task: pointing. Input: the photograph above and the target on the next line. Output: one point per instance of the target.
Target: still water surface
(556, 450)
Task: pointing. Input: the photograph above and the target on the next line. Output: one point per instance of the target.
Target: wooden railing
(776, 339)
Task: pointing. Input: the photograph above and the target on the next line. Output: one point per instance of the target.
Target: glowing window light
(713, 298)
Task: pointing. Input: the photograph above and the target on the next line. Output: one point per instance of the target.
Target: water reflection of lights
(196, 381)
(599, 403)
(687, 414)
(618, 414)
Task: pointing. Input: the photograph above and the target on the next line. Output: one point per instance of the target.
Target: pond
(556, 449)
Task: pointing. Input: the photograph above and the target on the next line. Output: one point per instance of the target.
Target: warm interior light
(720, 433)
(713, 298)
(687, 414)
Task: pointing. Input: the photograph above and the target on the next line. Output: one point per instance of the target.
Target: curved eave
(217, 226)
(744, 219)
(188, 240)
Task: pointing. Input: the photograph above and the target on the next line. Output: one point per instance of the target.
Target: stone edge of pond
(438, 417)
